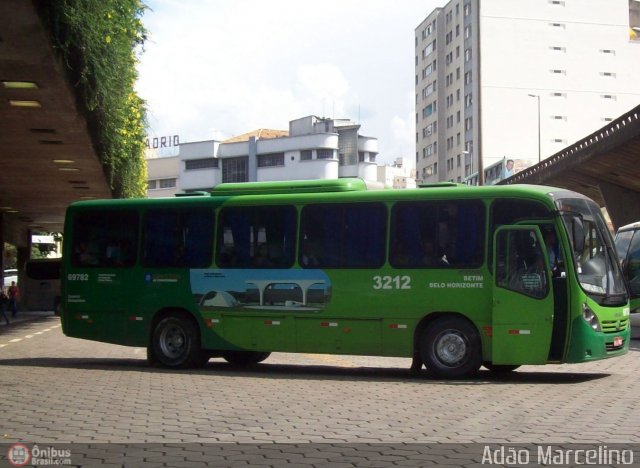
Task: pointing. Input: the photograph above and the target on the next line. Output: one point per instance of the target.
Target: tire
(176, 343)
(500, 368)
(451, 348)
(245, 358)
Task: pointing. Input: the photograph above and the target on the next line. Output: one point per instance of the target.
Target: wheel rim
(450, 348)
(173, 341)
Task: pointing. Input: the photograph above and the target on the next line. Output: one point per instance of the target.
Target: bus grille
(615, 326)
(612, 347)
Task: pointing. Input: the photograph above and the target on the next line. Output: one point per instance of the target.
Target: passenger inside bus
(431, 257)
(553, 251)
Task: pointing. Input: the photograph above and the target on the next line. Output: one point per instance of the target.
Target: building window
(271, 160)
(235, 169)
(167, 183)
(152, 184)
(325, 153)
(306, 155)
(204, 163)
(468, 123)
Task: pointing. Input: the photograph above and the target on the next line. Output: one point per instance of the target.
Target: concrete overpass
(47, 159)
(605, 166)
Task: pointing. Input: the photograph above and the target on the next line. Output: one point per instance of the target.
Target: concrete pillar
(622, 204)
(253, 160)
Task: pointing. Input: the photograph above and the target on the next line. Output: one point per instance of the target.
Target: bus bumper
(589, 345)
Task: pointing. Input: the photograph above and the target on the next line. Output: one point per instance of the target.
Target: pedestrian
(4, 300)
(14, 294)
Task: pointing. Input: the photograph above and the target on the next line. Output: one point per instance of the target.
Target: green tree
(99, 41)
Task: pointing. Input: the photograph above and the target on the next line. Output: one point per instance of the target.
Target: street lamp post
(539, 142)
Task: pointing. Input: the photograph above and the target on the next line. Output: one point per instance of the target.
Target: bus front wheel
(450, 348)
(176, 343)
(244, 358)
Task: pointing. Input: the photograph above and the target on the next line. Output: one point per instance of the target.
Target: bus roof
(332, 191)
(291, 186)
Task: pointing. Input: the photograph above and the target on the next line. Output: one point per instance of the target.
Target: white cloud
(218, 68)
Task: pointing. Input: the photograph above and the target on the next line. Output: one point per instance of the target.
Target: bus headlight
(590, 318)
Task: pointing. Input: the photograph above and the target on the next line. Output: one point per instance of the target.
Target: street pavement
(106, 407)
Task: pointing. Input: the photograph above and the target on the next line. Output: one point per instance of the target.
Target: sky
(213, 69)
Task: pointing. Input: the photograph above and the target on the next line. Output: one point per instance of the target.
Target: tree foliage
(99, 41)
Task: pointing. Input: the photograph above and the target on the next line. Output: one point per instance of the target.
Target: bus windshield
(599, 272)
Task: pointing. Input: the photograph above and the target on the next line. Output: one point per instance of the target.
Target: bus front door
(522, 313)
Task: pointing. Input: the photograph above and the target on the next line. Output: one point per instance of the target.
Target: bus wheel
(500, 368)
(176, 343)
(244, 358)
(451, 348)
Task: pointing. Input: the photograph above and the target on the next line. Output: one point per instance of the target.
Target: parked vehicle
(9, 276)
(628, 248)
(41, 288)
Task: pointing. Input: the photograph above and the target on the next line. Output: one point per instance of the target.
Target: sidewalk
(25, 316)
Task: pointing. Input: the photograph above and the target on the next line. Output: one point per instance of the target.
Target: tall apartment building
(498, 79)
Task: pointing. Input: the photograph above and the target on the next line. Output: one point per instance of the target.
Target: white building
(162, 175)
(519, 79)
(313, 148)
(398, 175)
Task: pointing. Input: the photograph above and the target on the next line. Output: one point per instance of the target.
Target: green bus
(455, 277)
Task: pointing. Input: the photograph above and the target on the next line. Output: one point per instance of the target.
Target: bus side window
(520, 263)
(343, 236)
(437, 234)
(105, 238)
(256, 237)
(178, 238)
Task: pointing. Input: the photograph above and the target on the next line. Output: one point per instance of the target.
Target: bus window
(343, 236)
(438, 234)
(623, 240)
(178, 238)
(632, 265)
(505, 212)
(105, 239)
(520, 263)
(256, 237)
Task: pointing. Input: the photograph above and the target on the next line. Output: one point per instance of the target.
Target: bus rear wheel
(176, 343)
(245, 358)
(451, 349)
